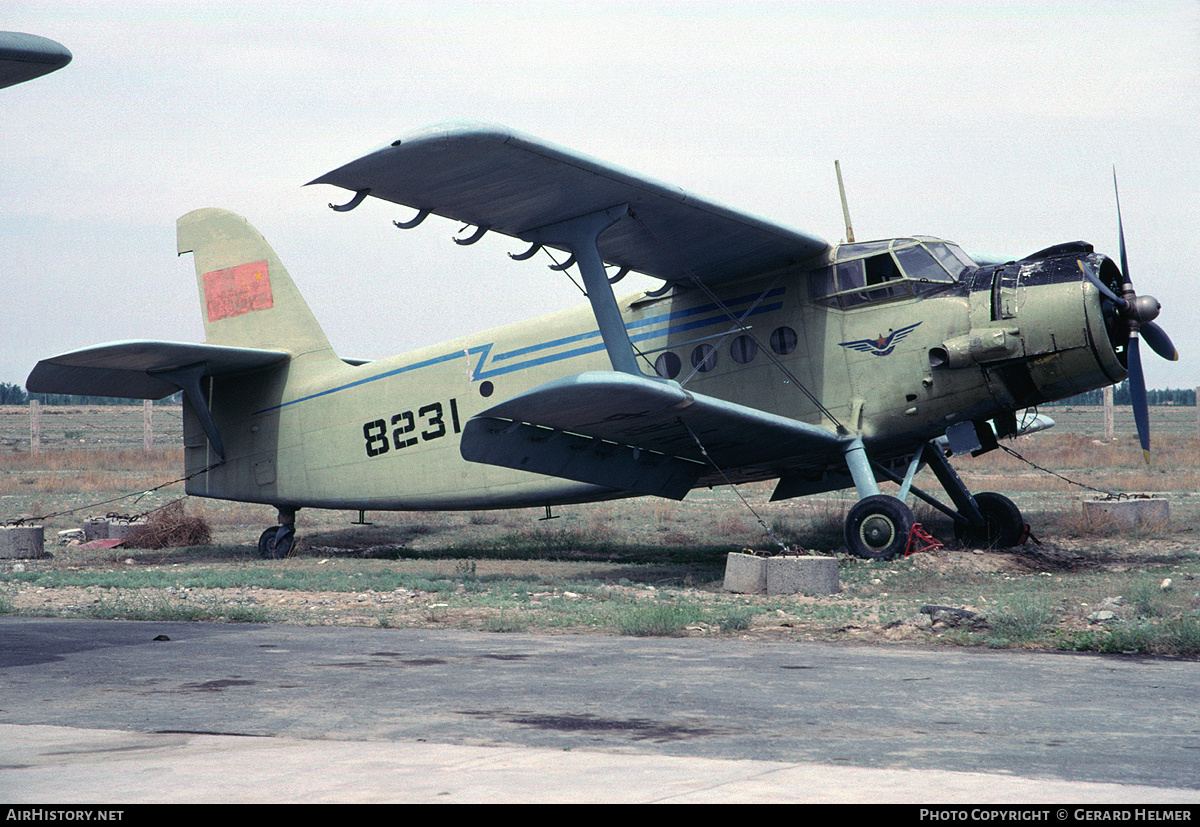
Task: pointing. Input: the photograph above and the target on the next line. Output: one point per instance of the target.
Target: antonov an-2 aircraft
(766, 354)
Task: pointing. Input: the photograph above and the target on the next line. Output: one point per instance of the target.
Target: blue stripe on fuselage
(675, 324)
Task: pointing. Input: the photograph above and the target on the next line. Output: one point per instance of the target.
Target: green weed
(736, 620)
(1179, 636)
(1025, 619)
(243, 613)
(658, 620)
(666, 619)
(505, 622)
(160, 610)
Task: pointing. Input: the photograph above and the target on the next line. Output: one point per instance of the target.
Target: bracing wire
(138, 494)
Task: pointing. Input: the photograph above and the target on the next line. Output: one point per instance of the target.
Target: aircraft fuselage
(893, 354)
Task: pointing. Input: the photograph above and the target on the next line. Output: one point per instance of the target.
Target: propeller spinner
(1137, 314)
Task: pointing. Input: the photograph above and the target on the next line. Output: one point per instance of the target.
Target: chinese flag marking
(237, 290)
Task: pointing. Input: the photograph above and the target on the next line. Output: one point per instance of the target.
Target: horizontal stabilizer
(512, 184)
(135, 370)
(635, 433)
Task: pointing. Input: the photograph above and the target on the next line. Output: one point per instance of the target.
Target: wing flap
(554, 453)
(637, 434)
(135, 369)
(513, 184)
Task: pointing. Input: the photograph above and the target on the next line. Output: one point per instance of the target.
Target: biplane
(766, 354)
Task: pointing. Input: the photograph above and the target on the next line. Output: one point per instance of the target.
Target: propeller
(1137, 314)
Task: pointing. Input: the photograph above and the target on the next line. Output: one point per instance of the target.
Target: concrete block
(784, 574)
(745, 573)
(118, 529)
(96, 528)
(109, 528)
(802, 575)
(1140, 511)
(22, 541)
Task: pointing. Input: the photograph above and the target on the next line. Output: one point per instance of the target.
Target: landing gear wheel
(276, 542)
(1002, 523)
(878, 527)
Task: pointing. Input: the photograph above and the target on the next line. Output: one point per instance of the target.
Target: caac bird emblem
(882, 346)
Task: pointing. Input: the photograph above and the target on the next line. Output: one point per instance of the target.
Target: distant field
(1089, 421)
(100, 426)
(91, 452)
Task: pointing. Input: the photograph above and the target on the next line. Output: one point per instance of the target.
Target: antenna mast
(845, 208)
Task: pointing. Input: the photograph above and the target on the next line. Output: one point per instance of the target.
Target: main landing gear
(879, 526)
(277, 541)
(1002, 523)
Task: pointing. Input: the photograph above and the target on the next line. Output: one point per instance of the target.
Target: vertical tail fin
(248, 298)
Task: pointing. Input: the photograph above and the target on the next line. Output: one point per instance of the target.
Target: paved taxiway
(103, 712)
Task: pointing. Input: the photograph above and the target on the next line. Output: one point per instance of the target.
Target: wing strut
(579, 236)
(188, 380)
(860, 467)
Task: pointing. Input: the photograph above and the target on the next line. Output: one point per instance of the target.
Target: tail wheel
(1002, 523)
(877, 527)
(276, 542)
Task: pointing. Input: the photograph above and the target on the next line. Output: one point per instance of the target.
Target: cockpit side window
(850, 275)
(881, 268)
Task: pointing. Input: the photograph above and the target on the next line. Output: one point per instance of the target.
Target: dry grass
(84, 470)
(1063, 449)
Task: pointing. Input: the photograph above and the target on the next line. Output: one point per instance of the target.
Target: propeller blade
(1137, 394)
(1159, 341)
(1104, 291)
(1121, 230)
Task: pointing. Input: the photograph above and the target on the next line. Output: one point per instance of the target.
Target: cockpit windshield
(874, 271)
(949, 256)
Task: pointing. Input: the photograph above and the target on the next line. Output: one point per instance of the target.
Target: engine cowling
(1038, 328)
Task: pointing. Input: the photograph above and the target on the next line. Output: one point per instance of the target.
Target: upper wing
(513, 184)
(27, 56)
(637, 434)
(138, 370)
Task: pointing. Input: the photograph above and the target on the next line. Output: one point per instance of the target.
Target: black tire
(1002, 523)
(266, 542)
(276, 542)
(878, 527)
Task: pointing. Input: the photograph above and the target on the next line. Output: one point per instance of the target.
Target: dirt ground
(873, 605)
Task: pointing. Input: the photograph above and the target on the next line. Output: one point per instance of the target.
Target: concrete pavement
(98, 712)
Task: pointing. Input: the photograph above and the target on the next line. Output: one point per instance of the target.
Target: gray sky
(996, 125)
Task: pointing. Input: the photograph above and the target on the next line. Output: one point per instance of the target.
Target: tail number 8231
(407, 428)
